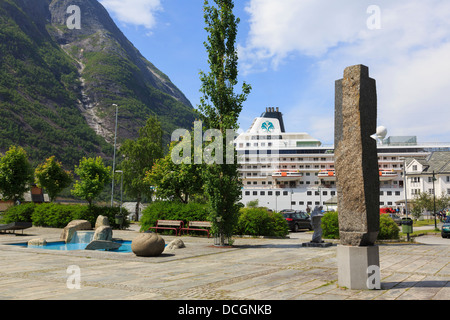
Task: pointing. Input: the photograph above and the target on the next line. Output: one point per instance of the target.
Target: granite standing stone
(357, 178)
(356, 158)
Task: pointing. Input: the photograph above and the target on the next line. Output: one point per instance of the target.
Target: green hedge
(166, 210)
(330, 225)
(21, 213)
(56, 215)
(388, 228)
(252, 221)
(260, 222)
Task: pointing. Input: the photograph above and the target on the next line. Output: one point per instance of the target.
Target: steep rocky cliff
(58, 84)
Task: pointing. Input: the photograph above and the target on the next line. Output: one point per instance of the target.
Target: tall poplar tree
(220, 107)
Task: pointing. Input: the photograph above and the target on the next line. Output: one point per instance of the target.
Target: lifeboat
(327, 175)
(387, 175)
(295, 174)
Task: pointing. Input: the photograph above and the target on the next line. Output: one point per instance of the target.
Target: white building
(420, 173)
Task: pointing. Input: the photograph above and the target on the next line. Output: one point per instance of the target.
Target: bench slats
(195, 225)
(175, 225)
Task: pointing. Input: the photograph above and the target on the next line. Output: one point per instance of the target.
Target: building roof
(437, 162)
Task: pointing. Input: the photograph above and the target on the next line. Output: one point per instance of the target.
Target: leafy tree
(171, 180)
(16, 174)
(94, 175)
(51, 176)
(139, 157)
(220, 108)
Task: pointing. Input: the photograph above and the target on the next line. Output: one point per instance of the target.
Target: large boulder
(103, 233)
(148, 245)
(73, 226)
(37, 242)
(101, 221)
(175, 244)
(102, 245)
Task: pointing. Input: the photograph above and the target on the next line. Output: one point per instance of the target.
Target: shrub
(173, 211)
(56, 215)
(388, 228)
(52, 215)
(20, 213)
(330, 225)
(260, 222)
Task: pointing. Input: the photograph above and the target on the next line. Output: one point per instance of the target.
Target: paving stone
(266, 269)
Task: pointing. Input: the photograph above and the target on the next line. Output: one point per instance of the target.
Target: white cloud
(134, 12)
(409, 56)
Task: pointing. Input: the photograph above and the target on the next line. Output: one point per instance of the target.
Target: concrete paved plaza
(261, 269)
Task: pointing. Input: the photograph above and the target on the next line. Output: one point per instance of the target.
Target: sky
(292, 51)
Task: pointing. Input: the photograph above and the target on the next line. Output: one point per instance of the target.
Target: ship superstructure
(295, 171)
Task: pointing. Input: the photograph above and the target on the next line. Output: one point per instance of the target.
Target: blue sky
(292, 51)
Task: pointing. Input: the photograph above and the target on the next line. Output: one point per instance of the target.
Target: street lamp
(121, 189)
(404, 186)
(434, 201)
(114, 158)
(119, 219)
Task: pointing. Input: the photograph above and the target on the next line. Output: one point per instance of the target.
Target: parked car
(297, 220)
(396, 218)
(445, 231)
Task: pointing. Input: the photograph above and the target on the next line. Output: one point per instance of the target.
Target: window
(292, 203)
(285, 193)
(262, 193)
(397, 193)
(269, 193)
(309, 193)
(255, 193)
(414, 168)
(247, 193)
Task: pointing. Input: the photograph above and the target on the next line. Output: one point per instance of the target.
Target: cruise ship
(295, 171)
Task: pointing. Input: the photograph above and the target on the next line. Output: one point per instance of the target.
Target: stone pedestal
(317, 244)
(353, 265)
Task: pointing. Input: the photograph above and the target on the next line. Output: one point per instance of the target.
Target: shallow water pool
(61, 245)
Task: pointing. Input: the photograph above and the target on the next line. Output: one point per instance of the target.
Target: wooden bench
(176, 225)
(198, 226)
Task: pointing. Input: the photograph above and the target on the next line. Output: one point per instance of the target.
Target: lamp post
(119, 218)
(434, 201)
(404, 186)
(114, 158)
(121, 189)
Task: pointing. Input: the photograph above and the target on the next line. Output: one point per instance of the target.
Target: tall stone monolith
(357, 174)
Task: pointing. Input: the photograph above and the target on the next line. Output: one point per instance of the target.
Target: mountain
(58, 84)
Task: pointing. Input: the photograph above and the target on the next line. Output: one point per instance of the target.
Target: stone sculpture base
(353, 264)
(317, 244)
